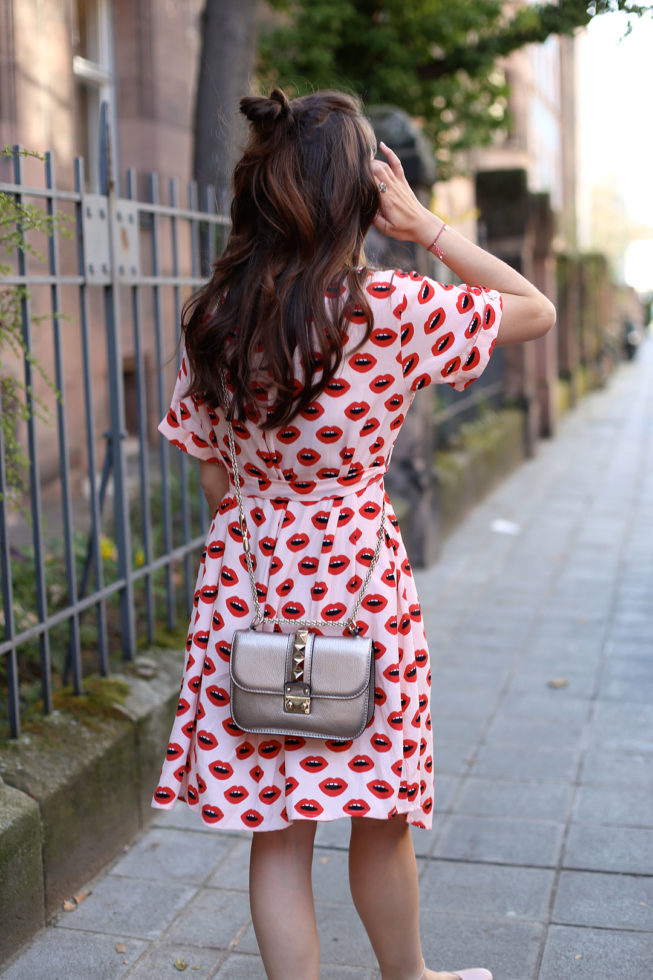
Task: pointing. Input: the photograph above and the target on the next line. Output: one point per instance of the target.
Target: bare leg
(385, 890)
(281, 901)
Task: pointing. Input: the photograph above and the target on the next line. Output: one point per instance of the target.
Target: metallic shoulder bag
(300, 683)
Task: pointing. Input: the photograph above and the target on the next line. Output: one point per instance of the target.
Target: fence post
(117, 403)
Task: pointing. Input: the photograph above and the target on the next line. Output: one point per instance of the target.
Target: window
(93, 68)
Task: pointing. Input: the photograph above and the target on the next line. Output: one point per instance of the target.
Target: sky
(615, 127)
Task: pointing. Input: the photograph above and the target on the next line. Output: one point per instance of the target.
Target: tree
(227, 56)
(434, 58)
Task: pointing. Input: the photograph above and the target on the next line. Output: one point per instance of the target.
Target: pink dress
(313, 491)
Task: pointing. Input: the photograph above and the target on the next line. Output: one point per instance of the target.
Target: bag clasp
(297, 699)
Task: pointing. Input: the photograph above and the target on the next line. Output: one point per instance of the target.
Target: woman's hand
(401, 215)
(527, 313)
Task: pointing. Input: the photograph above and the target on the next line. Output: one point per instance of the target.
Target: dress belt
(311, 490)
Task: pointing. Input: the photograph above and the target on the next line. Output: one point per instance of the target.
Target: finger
(393, 160)
(381, 170)
(381, 224)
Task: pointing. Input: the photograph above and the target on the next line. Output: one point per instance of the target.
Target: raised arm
(527, 313)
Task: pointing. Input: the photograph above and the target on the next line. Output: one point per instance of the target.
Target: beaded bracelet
(434, 247)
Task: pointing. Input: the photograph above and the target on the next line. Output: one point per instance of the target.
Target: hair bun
(266, 112)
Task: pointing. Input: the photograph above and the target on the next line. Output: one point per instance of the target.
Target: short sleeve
(189, 423)
(447, 332)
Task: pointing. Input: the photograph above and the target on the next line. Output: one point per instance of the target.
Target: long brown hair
(304, 199)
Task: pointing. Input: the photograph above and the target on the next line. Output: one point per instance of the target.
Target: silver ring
(383, 187)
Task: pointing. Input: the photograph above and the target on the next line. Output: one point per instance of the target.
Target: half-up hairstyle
(304, 199)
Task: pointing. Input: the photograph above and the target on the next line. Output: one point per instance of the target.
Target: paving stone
(238, 966)
(605, 805)
(512, 762)
(159, 961)
(485, 680)
(130, 907)
(470, 889)
(465, 703)
(595, 848)
(581, 680)
(424, 840)
(60, 954)
(640, 716)
(452, 757)
(232, 872)
(446, 788)
(213, 918)
(533, 843)
(343, 939)
(331, 876)
(173, 855)
(532, 733)
(631, 668)
(626, 689)
(632, 648)
(566, 651)
(526, 800)
(609, 901)
(545, 707)
(508, 949)
(627, 769)
(333, 833)
(333, 971)
(595, 954)
(455, 729)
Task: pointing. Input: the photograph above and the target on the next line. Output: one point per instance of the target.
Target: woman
(323, 357)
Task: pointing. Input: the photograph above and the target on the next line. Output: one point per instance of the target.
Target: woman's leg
(385, 889)
(281, 900)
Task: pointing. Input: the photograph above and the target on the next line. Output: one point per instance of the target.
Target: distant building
(61, 58)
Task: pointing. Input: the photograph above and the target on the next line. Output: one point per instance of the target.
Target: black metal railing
(123, 284)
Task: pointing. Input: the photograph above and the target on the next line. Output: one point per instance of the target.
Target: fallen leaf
(558, 682)
(120, 948)
(181, 964)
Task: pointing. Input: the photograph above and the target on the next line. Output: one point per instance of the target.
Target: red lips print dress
(313, 492)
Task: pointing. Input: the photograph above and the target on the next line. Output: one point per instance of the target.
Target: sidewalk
(540, 864)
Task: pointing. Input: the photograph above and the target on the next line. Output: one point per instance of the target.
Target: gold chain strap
(259, 615)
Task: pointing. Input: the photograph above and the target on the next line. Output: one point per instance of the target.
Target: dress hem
(425, 823)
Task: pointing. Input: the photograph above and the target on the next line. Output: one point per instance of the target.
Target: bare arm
(214, 480)
(527, 313)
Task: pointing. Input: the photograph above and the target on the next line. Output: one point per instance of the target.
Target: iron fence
(121, 267)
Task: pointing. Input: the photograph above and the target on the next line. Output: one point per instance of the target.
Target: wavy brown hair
(304, 199)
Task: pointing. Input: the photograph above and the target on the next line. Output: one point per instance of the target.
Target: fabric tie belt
(310, 490)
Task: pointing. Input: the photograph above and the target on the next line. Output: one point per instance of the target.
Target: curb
(76, 787)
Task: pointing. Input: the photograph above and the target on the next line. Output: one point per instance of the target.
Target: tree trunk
(227, 57)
